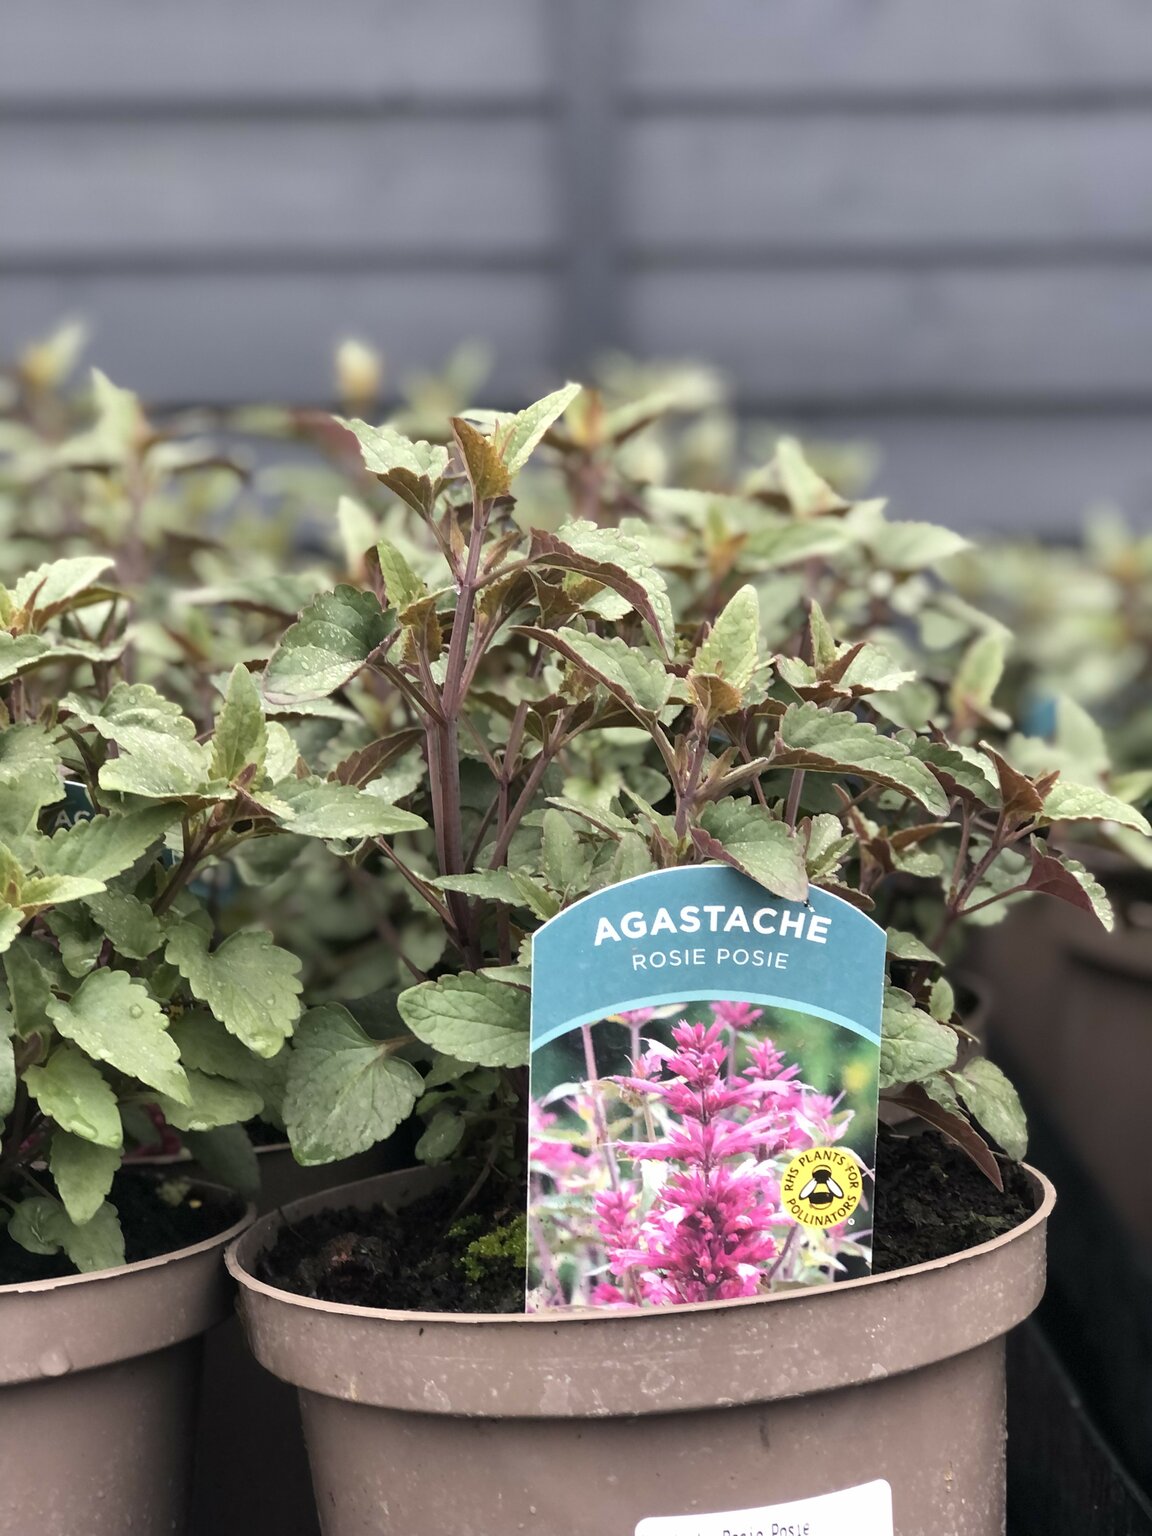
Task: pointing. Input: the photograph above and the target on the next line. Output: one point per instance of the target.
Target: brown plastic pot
(1072, 1020)
(98, 1384)
(582, 1424)
(252, 1465)
(1107, 1062)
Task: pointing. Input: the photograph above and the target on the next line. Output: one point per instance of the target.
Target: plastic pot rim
(226, 1236)
(255, 1239)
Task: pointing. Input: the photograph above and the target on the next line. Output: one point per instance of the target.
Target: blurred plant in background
(226, 525)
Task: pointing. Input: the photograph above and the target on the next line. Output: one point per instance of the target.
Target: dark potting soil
(151, 1225)
(424, 1257)
(932, 1200)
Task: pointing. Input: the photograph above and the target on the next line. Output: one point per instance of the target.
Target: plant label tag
(862, 1511)
(704, 1079)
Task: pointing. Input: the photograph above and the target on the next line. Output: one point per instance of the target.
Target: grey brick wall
(923, 223)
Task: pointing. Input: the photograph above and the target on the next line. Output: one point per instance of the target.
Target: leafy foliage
(317, 804)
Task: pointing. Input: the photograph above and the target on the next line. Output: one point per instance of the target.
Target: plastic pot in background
(1071, 1024)
(98, 1388)
(582, 1424)
(1071, 1017)
(251, 1461)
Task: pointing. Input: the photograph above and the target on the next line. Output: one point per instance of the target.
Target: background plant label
(862, 1511)
(705, 1061)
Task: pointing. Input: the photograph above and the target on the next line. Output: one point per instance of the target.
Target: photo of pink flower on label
(702, 1138)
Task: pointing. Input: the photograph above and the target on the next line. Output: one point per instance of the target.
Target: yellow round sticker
(822, 1187)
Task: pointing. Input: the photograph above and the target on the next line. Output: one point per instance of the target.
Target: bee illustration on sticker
(821, 1188)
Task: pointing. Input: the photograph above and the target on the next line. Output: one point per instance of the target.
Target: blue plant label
(704, 1074)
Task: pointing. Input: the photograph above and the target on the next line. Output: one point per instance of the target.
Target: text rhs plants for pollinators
(704, 1085)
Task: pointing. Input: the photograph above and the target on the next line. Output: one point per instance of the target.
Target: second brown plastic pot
(98, 1385)
(252, 1466)
(583, 1424)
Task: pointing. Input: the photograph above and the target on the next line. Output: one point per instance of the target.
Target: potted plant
(124, 1001)
(563, 729)
(1071, 999)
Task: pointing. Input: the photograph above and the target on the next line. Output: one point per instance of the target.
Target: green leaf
(596, 815)
(114, 1018)
(105, 846)
(913, 546)
(959, 769)
(95, 1244)
(250, 984)
(228, 1157)
(632, 857)
(487, 473)
(774, 548)
(750, 838)
(241, 737)
(19, 652)
(27, 785)
(207, 1046)
(129, 923)
(357, 531)
(7, 1065)
(638, 681)
(1068, 880)
(29, 986)
(977, 677)
(1082, 743)
(42, 1225)
(71, 1091)
(40, 891)
(731, 649)
(942, 1000)
(33, 1222)
(471, 1018)
(488, 884)
(11, 919)
(346, 1091)
(80, 937)
(326, 647)
(159, 754)
(913, 1044)
(1134, 787)
(444, 1133)
(611, 547)
(401, 583)
(821, 640)
(282, 755)
(827, 741)
(83, 1173)
(564, 861)
(1083, 802)
(535, 896)
(116, 435)
(906, 946)
(211, 1102)
(384, 449)
(52, 588)
(322, 808)
(827, 845)
(992, 1100)
(808, 495)
(521, 434)
(638, 587)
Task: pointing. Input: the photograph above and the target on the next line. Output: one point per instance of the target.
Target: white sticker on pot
(862, 1511)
